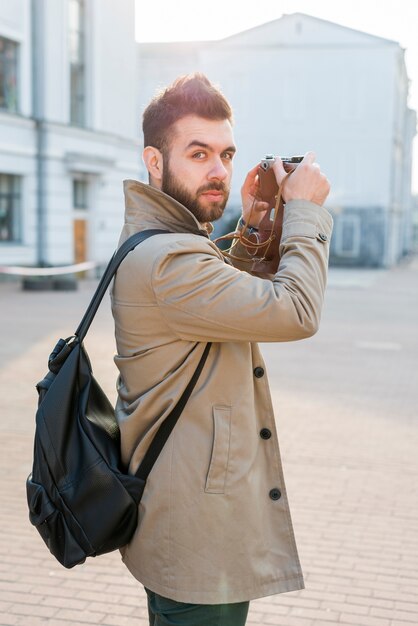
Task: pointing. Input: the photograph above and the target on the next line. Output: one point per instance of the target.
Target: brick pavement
(346, 403)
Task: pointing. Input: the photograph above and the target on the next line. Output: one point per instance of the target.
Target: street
(346, 404)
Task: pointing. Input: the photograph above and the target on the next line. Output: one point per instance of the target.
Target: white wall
(114, 76)
(308, 102)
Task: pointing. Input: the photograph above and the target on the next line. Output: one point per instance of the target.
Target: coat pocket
(218, 467)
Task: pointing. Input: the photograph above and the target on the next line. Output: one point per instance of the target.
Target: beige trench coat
(214, 522)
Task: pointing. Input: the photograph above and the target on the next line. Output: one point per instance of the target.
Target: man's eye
(228, 156)
(199, 155)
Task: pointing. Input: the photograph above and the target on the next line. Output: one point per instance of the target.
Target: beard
(203, 213)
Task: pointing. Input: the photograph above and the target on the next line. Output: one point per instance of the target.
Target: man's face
(197, 167)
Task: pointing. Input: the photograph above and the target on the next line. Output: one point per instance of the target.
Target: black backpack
(81, 500)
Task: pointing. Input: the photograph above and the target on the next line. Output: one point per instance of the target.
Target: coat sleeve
(204, 299)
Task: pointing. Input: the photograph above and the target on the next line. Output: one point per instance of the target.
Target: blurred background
(339, 78)
(75, 75)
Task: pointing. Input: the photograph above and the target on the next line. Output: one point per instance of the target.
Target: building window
(80, 194)
(77, 62)
(8, 75)
(348, 236)
(10, 194)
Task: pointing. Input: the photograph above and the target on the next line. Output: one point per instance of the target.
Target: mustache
(220, 186)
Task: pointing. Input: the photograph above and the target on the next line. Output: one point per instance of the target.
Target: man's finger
(279, 170)
(309, 158)
(261, 206)
(254, 171)
(250, 179)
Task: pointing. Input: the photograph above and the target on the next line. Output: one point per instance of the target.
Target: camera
(289, 163)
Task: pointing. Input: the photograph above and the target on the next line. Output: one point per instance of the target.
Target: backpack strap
(104, 283)
(168, 424)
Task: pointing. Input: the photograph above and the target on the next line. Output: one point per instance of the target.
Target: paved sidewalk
(346, 403)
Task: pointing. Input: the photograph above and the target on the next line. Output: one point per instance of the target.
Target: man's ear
(153, 160)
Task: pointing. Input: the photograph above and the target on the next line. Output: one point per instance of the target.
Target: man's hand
(305, 183)
(253, 210)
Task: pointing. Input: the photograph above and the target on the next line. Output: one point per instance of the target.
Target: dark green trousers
(165, 612)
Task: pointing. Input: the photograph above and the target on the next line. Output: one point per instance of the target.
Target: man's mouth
(213, 195)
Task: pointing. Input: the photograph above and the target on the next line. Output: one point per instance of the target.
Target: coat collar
(147, 207)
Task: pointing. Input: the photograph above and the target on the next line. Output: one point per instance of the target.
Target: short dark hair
(192, 94)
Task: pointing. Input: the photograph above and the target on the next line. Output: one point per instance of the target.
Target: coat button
(265, 433)
(258, 372)
(275, 494)
(322, 237)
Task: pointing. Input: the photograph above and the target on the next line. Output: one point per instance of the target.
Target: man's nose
(218, 170)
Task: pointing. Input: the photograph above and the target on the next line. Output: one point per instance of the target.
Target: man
(214, 525)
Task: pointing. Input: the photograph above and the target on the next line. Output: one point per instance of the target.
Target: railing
(47, 271)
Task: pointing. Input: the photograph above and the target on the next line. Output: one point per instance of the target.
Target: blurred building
(68, 127)
(415, 223)
(301, 83)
